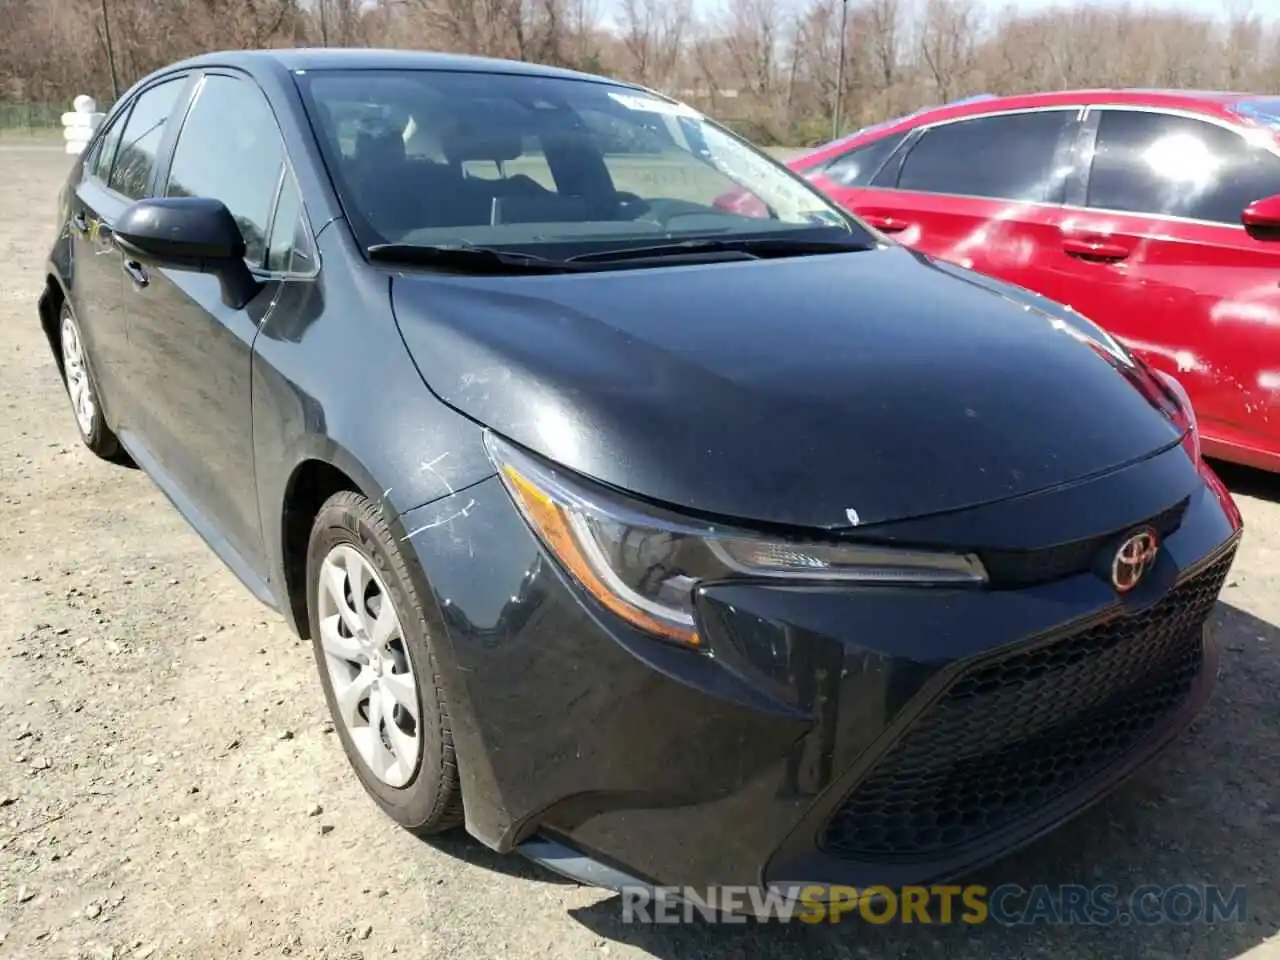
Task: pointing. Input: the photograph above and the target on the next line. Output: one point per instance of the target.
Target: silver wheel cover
(78, 387)
(373, 680)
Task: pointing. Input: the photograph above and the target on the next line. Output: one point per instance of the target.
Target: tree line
(768, 67)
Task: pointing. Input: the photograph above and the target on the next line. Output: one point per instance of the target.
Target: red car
(1154, 213)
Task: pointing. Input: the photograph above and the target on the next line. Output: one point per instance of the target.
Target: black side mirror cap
(189, 233)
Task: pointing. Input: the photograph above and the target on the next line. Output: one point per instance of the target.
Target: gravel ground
(169, 785)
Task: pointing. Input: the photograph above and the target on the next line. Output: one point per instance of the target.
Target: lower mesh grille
(1012, 735)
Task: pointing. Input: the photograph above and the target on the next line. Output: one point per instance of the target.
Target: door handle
(885, 223)
(1094, 248)
(137, 272)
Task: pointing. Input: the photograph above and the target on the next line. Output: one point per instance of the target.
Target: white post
(79, 124)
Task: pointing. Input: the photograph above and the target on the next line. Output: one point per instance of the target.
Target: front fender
(333, 383)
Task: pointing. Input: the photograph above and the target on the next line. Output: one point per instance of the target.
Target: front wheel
(377, 666)
(94, 432)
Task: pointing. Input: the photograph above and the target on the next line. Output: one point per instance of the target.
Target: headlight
(644, 565)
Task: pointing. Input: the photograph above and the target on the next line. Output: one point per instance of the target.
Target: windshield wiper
(477, 259)
(762, 247)
(472, 259)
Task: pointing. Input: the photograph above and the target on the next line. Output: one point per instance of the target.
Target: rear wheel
(82, 390)
(377, 666)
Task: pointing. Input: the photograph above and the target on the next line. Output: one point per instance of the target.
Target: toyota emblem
(1133, 559)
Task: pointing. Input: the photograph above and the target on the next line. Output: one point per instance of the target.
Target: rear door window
(135, 157)
(1009, 156)
(98, 163)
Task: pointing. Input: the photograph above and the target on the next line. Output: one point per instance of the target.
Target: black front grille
(1020, 568)
(1013, 734)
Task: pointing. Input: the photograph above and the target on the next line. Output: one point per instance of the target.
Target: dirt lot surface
(169, 786)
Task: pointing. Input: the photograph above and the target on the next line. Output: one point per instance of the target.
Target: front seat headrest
(383, 147)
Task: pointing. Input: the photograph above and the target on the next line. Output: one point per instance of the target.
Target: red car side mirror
(1262, 214)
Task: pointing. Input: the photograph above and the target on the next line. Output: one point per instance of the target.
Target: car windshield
(536, 164)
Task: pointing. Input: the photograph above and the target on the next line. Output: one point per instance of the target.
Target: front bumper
(874, 735)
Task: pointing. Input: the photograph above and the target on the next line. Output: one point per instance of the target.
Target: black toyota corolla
(663, 543)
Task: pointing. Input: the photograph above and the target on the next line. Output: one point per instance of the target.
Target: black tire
(97, 436)
(431, 802)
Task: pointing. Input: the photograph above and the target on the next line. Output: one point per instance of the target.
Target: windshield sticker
(748, 168)
(653, 105)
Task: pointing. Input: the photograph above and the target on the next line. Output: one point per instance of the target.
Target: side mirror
(189, 233)
(1262, 217)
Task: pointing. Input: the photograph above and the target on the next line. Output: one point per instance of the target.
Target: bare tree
(948, 41)
(767, 65)
(654, 33)
(884, 23)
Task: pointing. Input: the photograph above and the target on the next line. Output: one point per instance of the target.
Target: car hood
(821, 391)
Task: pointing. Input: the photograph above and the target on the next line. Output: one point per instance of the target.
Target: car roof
(1139, 96)
(1222, 104)
(343, 58)
(1212, 102)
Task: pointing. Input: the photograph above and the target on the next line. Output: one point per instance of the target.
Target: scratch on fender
(440, 521)
(430, 467)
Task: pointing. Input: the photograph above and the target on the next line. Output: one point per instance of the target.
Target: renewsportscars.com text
(1008, 905)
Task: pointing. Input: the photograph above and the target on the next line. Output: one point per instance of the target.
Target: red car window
(1164, 164)
(856, 167)
(1007, 156)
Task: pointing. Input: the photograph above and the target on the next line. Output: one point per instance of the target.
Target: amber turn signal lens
(552, 525)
